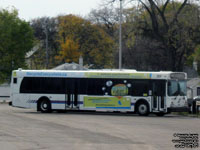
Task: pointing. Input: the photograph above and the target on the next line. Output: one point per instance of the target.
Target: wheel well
(39, 101)
(139, 102)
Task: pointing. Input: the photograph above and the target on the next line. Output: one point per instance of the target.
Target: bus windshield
(176, 88)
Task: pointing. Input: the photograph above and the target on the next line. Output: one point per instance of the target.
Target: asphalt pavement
(26, 129)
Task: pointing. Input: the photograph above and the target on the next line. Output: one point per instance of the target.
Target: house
(192, 85)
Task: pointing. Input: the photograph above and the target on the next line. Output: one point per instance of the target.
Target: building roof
(193, 83)
(30, 53)
(70, 66)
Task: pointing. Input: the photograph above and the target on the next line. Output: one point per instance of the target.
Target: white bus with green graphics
(100, 90)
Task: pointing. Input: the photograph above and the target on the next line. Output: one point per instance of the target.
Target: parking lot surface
(26, 129)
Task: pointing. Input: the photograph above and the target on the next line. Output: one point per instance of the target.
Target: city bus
(100, 90)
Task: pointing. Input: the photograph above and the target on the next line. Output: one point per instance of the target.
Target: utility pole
(120, 36)
(47, 51)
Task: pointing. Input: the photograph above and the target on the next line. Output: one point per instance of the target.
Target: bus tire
(143, 109)
(44, 106)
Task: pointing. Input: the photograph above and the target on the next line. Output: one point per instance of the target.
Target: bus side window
(95, 86)
(140, 87)
(158, 87)
(15, 80)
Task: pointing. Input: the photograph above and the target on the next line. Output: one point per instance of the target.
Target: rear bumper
(178, 109)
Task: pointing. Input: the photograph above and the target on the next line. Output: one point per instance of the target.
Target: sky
(30, 9)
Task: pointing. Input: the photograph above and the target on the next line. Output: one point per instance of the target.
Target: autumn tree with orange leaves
(79, 37)
(69, 51)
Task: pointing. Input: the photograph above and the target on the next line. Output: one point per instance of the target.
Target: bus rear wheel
(143, 109)
(45, 106)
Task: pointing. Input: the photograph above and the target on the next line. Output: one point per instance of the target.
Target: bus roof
(105, 73)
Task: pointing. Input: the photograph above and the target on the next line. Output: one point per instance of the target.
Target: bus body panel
(57, 100)
(177, 101)
(21, 100)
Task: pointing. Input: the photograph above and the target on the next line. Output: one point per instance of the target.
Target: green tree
(95, 45)
(16, 38)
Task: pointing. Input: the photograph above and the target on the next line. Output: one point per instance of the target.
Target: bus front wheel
(143, 109)
(45, 106)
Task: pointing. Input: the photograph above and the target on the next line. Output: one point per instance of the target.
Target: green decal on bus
(14, 74)
(108, 102)
(118, 75)
(119, 90)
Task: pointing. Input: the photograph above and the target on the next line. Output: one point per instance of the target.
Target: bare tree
(107, 18)
(167, 28)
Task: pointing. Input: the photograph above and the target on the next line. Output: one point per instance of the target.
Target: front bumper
(179, 109)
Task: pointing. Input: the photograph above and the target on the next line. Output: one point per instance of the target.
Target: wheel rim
(44, 106)
(142, 109)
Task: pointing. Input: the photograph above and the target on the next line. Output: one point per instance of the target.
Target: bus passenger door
(158, 96)
(71, 96)
(71, 101)
(158, 103)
